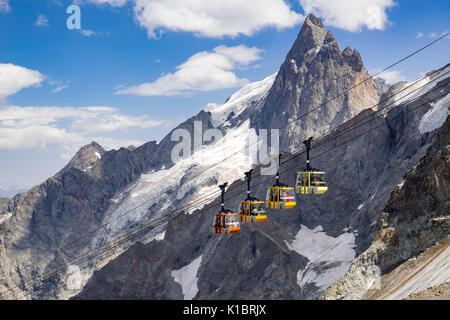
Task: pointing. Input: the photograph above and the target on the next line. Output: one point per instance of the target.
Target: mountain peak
(86, 157)
(314, 70)
(314, 20)
(311, 35)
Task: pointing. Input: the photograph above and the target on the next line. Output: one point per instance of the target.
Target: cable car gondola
(280, 196)
(310, 181)
(225, 221)
(252, 209)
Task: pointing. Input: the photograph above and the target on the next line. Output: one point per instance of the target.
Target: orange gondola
(225, 221)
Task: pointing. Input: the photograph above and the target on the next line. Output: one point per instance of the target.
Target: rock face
(440, 292)
(268, 261)
(382, 86)
(309, 86)
(129, 189)
(261, 262)
(415, 218)
(85, 158)
(35, 225)
(57, 212)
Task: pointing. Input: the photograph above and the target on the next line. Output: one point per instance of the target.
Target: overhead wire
(184, 207)
(144, 229)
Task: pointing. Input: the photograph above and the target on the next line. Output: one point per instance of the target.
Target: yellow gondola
(252, 210)
(280, 196)
(310, 181)
(225, 222)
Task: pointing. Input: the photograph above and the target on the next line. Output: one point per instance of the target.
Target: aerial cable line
(292, 120)
(291, 153)
(143, 231)
(166, 218)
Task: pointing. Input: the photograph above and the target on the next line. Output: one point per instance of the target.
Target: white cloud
(42, 21)
(112, 121)
(419, 35)
(4, 6)
(391, 77)
(113, 3)
(432, 35)
(36, 127)
(59, 85)
(60, 88)
(208, 18)
(204, 71)
(33, 137)
(350, 15)
(89, 33)
(210, 106)
(15, 78)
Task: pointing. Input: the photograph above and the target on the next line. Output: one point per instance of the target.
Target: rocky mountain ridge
(296, 254)
(415, 218)
(124, 189)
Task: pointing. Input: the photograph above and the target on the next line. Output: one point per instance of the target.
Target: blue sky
(134, 47)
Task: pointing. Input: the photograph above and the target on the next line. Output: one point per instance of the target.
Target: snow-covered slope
(410, 248)
(187, 278)
(125, 189)
(321, 248)
(193, 180)
(332, 255)
(240, 100)
(404, 92)
(435, 117)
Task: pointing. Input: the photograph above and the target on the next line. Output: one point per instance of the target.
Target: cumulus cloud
(419, 35)
(350, 15)
(208, 18)
(14, 78)
(35, 127)
(204, 71)
(4, 6)
(42, 21)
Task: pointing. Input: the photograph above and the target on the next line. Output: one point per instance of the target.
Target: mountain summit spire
(311, 35)
(314, 71)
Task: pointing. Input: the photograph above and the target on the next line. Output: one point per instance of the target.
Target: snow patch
(187, 278)
(98, 155)
(5, 217)
(240, 100)
(160, 236)
(435, 117)
(329, 257)
(424, 84)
